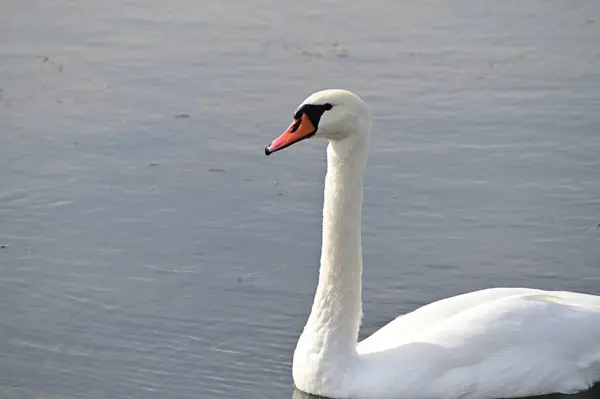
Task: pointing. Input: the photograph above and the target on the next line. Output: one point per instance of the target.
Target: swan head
(333, 114)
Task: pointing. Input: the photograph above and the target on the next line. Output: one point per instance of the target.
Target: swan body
(499, 342)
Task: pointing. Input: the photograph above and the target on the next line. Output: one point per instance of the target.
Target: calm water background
(152, 251)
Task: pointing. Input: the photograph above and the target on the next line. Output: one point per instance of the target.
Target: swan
(497, 342)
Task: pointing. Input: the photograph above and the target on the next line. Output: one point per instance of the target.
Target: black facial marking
(313, 112)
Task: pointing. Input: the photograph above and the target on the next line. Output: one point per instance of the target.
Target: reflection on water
(148, 249)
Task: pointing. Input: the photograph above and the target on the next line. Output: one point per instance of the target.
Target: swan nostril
(296, 126)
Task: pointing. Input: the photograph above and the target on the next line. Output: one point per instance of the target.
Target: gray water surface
(152, 251)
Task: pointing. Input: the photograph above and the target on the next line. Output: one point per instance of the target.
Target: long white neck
(331, 333)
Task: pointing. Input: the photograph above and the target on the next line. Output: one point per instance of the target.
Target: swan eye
(312, 112)
(311, 109)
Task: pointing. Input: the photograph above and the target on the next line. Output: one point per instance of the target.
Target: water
(152, 251)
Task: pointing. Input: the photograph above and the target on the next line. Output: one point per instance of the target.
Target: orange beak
(300, 129)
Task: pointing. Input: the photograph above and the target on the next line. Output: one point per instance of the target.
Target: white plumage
(500, 342)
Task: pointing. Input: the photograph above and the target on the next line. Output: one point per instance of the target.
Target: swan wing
(410, 326)
(492, 343)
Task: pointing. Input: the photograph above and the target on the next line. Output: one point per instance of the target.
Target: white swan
(501, 342)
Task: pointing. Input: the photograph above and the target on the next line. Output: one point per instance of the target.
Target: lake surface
(150, 250)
